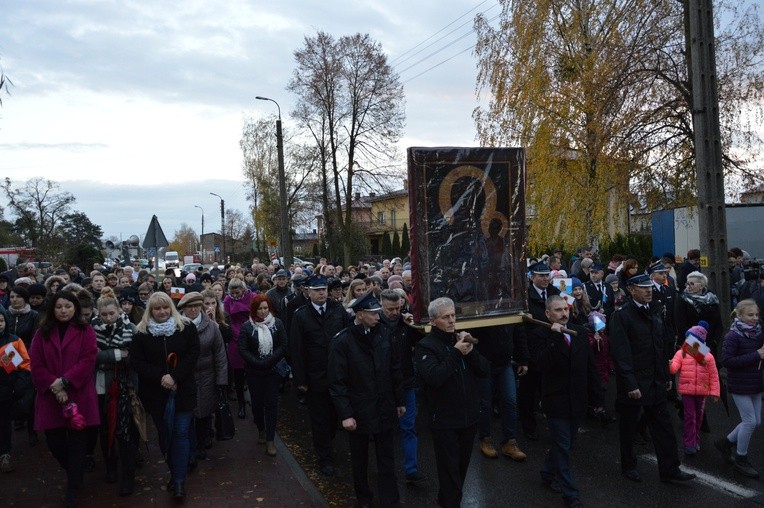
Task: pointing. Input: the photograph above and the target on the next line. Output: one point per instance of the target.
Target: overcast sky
(136, 107)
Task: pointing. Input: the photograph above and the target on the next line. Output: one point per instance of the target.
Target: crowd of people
(81, 350)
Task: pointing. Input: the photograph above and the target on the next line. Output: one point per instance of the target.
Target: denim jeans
(178, 451)
(562, 433)
(503, 378)
(409, 439)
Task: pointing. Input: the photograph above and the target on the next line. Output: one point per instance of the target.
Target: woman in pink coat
(236, 305)
(62, 356)
(698, 378)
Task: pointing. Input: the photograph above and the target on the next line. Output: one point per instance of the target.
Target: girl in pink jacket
(698, 378)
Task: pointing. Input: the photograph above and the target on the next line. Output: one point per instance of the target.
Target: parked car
(191, 267)
(297, 261)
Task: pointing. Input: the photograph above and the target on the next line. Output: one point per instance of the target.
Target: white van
(171, 259)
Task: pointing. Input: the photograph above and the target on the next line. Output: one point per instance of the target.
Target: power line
(469, 21)
(438, 64)
(438, 51)
(392, 62)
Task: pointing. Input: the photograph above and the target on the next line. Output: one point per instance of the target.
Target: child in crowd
(742, 355)
(698, 378)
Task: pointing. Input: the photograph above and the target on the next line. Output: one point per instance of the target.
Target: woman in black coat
(697, 303)
(262, 344)
(164, 353)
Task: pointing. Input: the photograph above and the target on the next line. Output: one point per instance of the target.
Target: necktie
(567, 338)
(543, 295)
(321, 311)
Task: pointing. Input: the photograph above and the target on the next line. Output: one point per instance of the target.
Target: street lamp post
(286, 234)
(222, 225)
(201, 237)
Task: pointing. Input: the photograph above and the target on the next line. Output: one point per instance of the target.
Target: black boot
(111, 474)
(126, 487)
(242, 410)
(180, 490)
(171, 484)
(70, 501)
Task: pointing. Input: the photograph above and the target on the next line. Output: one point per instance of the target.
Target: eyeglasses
(143, 294)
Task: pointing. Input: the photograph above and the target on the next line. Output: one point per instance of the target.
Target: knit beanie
(699, 331)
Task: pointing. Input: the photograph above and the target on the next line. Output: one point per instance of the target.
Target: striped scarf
(117, 335)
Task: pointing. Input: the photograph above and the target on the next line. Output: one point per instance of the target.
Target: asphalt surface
(503, 482)
(239, 474)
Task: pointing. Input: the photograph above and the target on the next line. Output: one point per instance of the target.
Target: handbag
(139, 413)
(282, 368)
(224, 426)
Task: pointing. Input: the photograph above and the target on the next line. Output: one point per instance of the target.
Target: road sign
(154, 235)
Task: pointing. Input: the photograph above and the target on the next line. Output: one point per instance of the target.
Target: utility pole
(222, 226)
(708, 150)
(201, 237)
(286, 233)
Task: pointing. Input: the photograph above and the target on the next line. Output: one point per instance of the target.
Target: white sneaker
(5, 463)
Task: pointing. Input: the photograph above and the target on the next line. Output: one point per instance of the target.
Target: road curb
(310, 488)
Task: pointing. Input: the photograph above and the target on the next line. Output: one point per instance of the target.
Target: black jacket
(689, 311)
(665, 297)
(569, 379)
(249, 345)
(148, 357)
(293, 302)
(310, 335)
(595, 295)
(637, 348)
(450, 380)
(365, 380)
(403, 338)
(502, 344)
(23, 326)
(537, 306)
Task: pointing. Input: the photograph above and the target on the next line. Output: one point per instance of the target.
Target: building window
(392, 219)
(381, 217)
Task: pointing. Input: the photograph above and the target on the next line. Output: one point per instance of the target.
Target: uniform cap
(366, 302)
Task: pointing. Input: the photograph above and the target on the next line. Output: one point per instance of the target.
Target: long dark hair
(49, 322)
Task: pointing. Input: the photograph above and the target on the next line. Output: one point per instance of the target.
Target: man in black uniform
(571, 383)
(366, 386)
(449, 369)
(599, 292)
(313, 326)
(665, 295)
(402, 338)
(642, 377)
(530, 384)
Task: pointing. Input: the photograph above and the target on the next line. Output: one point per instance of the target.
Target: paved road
(239, 474)
(502, 482)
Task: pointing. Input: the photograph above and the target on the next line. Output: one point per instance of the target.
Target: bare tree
(39, 206)
(352, 104)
